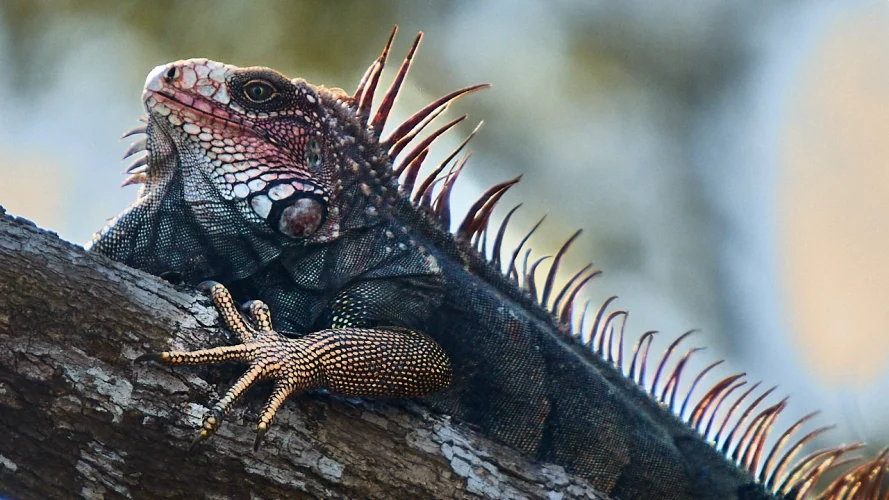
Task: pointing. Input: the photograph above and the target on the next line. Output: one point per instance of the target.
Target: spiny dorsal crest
(740, 434)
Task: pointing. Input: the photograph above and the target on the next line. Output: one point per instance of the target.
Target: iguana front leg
(382, 362)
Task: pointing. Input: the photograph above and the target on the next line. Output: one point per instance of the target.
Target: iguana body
(285, 193)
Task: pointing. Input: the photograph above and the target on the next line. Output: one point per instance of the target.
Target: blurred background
(727, 160)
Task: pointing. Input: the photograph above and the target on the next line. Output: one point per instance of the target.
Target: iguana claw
(157, 357)
(261, 429)
(212, 421)
(262, 348)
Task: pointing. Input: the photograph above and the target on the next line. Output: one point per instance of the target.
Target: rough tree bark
(79, 419)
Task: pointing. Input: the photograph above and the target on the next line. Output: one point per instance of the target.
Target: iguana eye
(259, 91)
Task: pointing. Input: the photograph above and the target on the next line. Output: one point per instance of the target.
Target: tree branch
(78, 418)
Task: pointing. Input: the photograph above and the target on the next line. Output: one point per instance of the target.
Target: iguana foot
(269, 355)
(386, 362)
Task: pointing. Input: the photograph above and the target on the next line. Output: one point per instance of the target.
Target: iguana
(286, 194)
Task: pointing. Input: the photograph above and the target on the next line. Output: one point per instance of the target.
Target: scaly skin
(282, 192)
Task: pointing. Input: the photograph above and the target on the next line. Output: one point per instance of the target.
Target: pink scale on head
(203, 106)
(222, 96)
(222, 116)
(189, 115)
(184, 97)
(218, 73)
(188, 77)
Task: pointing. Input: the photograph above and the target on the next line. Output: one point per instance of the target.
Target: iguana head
(241, 164)
(246, 137)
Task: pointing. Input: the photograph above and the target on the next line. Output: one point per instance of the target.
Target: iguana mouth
(196, 110)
